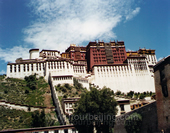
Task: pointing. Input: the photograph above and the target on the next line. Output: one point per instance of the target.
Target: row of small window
(118, 60)
(27, 66)
(58, 65)
(81, 54)
(136, 60)
(153, 58)
(96, 61)
(99, 54)
(102, 51)
(78, 67)
(63, 78)
(118, 53)
(69, 111)
(99, 57)
(119, 57)
(114, 69)
(69, 105)
(140, 67)
(49, 53)
(117, 50)
(81, 57)
(78, 71)
(117, 74)
(84, 81)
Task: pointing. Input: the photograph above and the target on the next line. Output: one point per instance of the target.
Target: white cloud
(160, 58)
(61, 23)
(10, 55)
(132, 13)
(129, 49)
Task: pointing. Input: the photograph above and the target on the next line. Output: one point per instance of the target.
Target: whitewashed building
(133, 71)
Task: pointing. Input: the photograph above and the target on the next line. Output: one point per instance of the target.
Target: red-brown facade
(100, 53)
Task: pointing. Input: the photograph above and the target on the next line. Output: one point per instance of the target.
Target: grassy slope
(16, 90)
(14, 119)
(67, 91)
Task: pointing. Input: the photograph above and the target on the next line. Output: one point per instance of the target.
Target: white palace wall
(123, 78)
(22, 70)
(134, 75)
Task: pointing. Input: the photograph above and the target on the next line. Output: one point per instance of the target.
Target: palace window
(31, 67)
(11, 68)
(14, 68)
(51, 65)
(40, 66)
(48, 65)
(37, 66)
(24, 68)
(27, 67)
(122, 107)
(54, 65)
(18, 68)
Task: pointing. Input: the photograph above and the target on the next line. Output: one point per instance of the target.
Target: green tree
(31, 81)
(142, 96)
(133, 123)
(77, 85)
(118, 92)
(92, 107)
(150, 93)
(130, 94)
(38, 119)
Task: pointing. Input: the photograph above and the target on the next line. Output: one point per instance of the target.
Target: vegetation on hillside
(40, 119)
(31, 91)
(28, 91)
(133, 123)
(67, 90)
(2, 77)
(135, 95)
(14, 119)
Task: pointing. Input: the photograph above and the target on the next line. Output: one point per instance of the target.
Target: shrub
(118, 92)
(133, 123)
(26, 91)
(142, 96)
(63, 89)
(130, 94)
(58, 85)
(77, 85)
(67, 85)
(65, 96)
(31, 81)
(5, 91)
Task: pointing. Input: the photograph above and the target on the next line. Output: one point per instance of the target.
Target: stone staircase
(59, 110)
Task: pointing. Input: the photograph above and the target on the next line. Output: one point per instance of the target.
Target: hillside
(30, 91)
(14, 119)
(24, 92)
(68, 91)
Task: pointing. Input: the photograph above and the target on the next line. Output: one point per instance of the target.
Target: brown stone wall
(163, 103)
(149, 119)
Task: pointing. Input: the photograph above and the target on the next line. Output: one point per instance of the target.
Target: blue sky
(55, 24)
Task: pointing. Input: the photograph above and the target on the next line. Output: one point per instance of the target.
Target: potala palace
(99, 63)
